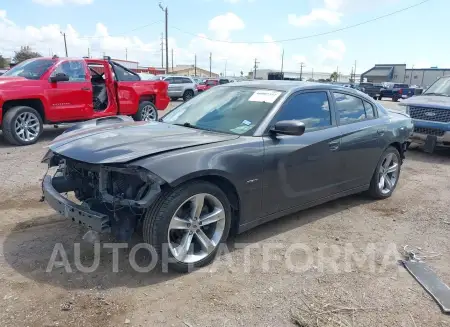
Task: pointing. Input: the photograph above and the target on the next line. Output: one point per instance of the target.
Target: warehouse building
(398, 73)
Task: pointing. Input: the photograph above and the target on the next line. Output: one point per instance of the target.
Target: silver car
(180, 87)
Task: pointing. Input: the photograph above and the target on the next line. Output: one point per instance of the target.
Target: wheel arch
(397, 145)
(147, 97)
(222, 181)
(34, 103)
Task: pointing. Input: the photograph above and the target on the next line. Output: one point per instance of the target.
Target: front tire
(22, 125)
(146, 112)
(188, 95)
(386, 175)
(189, 222)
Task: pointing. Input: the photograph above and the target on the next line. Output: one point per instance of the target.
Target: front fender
(240, 161)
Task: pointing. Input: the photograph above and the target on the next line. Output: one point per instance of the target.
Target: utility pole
(337, 73)
(312, 73)
(410, 75)
(126, 54)
(162, 50)
(65, 42)
(172, 60)
(301, 69)
(354, 73)
(195, 65)
(254, 68)
(210, 59)
(89, 53)
(282, 61)
(167, 36)
(225, 74)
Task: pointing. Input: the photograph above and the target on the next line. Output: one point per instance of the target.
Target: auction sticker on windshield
(264, 96)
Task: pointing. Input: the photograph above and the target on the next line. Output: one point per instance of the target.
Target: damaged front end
(105, 198)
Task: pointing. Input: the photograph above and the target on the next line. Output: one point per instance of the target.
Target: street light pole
(167, 37)
(65, 42)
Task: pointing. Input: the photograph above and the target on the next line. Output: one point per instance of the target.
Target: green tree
(334, 76)
(242, 73)
(2, 61)
(25, 53)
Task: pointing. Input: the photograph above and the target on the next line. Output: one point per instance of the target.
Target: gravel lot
(229, 293)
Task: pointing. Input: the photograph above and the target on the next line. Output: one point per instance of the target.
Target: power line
(122, 35)
(307, 36)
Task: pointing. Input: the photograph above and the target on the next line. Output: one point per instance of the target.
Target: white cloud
(222, 25)
(332, 11)
(331, 54)
(4, 19)
(62, 2)
(329, 16)
(236, 56)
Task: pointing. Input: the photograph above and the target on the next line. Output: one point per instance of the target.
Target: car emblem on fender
(430, 114)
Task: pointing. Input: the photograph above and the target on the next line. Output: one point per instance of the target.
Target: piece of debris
(187, 324)
(66, 306)
(127, 321)
(428, 279)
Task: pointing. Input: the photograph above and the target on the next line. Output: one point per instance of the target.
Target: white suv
(180, 87)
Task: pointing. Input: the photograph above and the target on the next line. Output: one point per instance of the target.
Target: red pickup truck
(63, 90)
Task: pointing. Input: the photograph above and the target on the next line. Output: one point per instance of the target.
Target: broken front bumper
(75, 212)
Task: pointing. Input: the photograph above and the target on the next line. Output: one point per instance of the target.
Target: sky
(235, 32)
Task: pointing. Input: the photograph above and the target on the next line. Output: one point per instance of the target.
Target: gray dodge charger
(229, 159)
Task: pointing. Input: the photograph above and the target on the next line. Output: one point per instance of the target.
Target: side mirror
(59, 77)
(289, 127)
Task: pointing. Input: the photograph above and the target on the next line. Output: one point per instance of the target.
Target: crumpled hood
(428, 101)
(124, 142)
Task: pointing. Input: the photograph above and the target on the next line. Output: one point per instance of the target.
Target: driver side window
(312, 108)
(74, 69)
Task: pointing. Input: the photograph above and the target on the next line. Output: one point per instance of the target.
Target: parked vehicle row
(231, 158)
(54, 90)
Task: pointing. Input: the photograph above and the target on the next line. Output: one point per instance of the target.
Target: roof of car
(292, 86)
(285, 85)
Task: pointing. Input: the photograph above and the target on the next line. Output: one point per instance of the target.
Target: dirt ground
(329, 291)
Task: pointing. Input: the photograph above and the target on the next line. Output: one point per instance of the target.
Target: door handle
(334, 145)
(85, 88)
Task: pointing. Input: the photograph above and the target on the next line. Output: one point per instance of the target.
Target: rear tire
(394, 99)
(146, 112)
(22, 125)
(385, 178)
(188, 95)
(157, 230)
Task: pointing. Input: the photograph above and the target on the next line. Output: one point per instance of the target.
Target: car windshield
(31, 69)
(440, 87)
(225, 109)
